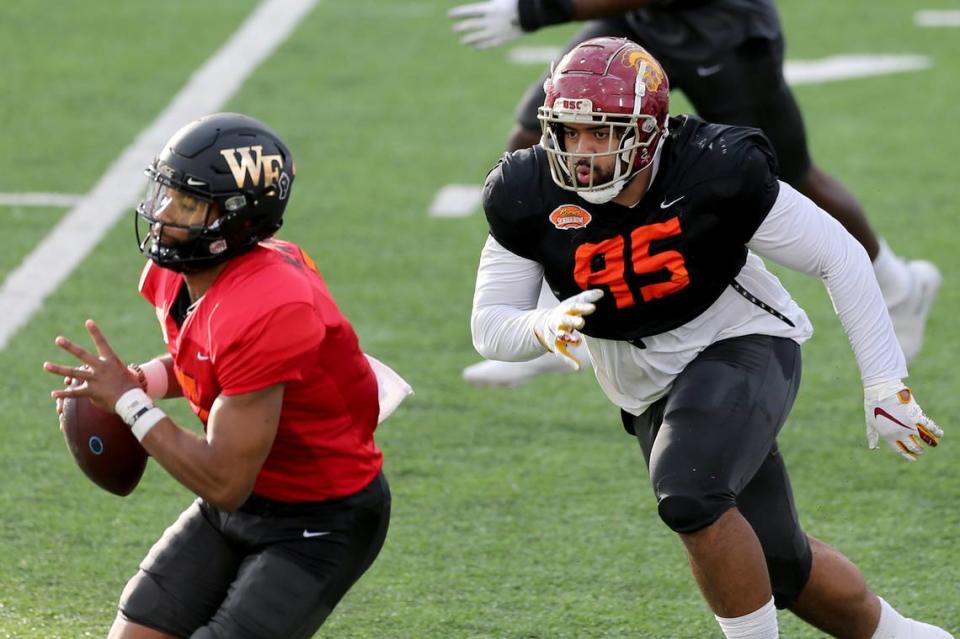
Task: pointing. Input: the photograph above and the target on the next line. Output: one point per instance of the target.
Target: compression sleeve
(505, 305)
(799, 235)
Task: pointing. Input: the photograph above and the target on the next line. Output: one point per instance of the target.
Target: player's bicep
(241, 430)
(504, 278)
(799, 235)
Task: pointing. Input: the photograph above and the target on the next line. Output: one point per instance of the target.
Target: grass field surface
(522, 513)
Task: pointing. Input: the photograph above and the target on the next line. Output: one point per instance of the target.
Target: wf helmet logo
(253, 163)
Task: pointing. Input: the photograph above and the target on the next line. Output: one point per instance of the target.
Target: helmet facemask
(182, 230)
(604, 82)
(632, 140)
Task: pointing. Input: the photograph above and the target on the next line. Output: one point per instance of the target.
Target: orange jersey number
(603, 264)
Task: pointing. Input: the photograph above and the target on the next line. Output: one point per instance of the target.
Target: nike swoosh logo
(706, 71)
(667, 205)
(202, 357)
(879, 412)
(309, 533)
(193, 182)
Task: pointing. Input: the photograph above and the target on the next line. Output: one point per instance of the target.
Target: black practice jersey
(660, 263)
(697, 30)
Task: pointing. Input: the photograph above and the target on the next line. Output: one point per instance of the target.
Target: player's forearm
(859, 304)
(198, 465)
(505, 305)
(505, 333)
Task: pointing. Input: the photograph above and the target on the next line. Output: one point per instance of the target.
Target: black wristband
(534, 14)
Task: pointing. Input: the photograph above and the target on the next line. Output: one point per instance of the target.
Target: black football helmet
(233, 169)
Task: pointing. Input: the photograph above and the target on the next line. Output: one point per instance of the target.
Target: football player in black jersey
(727, 57)
(650, 229)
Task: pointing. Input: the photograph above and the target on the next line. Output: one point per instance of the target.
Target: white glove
(558, 329)
(893, 413)
(487, 24)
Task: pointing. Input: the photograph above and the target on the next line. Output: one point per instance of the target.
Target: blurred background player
(292, 503)
(649, 227)
(727, 58)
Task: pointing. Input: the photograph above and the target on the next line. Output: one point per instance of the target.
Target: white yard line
(40, 199)
(934, 18)
(534, 55)
(831, 69)
(456, 200)
(846, 67)
(23, 292)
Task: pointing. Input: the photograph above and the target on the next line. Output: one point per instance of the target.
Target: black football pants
(710, 445)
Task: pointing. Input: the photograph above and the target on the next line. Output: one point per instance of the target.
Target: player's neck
(200, 281)
(635, 189)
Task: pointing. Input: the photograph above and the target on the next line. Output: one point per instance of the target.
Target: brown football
(103, 446)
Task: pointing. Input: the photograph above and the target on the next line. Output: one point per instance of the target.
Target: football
(103, 446)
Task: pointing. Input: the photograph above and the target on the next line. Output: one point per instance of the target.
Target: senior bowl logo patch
(570, 216)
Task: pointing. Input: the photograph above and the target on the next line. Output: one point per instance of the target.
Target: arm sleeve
(801, 236)
(276, 348)
(505, 305)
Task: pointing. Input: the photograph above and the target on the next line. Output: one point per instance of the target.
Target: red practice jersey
(269, 319)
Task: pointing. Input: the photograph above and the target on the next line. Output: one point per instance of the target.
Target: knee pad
(690, 512)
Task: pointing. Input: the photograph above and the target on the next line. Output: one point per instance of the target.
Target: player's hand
(102, 377)
(559, 328)
(487, 24)
(894, 415)
(67, 382)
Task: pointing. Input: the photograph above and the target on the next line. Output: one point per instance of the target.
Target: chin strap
(604, 195)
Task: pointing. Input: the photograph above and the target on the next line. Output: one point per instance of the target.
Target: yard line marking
(23, 292)
(40, 199)
(830, 69)
(932, 18)
(534, 55)
(456, 200)
(846, 67)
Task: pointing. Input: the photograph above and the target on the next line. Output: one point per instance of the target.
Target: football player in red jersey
(727, 58)
(650, 229)
(292, 503)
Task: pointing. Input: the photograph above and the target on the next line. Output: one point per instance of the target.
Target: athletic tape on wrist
(136, 409)
(146, 422)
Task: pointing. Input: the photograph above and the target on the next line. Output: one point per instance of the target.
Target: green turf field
(517, 514)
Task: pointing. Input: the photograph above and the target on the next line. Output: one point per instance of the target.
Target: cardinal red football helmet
(605, 81)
